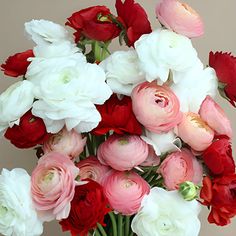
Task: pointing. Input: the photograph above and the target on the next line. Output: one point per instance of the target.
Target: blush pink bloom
(152, 159)
(195, 132)
(215, 117)
(180, 18)
(53, 186)
(179, 167)
(156, 107)
(91, 168)
(125, 191)
(123, 152)
(66, 142)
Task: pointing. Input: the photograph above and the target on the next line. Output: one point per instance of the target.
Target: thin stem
(97, 233)
(120, 225)
(103, 232)
(113, 221)
(148, 173)
(127, 225)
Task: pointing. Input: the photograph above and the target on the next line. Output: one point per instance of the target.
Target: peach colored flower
(53, 185)
(123, 152)
(125, 191)
(215, 117)
(179, 17)
(91, 168)
(179, 167)
(65, 142)
(195, 132)
(156, 107)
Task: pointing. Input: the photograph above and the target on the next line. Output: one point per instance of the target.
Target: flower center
(48, 177)
(165, 226)
(123, 141)
(128, 184)
(3, 211)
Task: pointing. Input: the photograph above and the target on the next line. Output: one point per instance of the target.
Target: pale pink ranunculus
(91, 168)
(179, 167)
(195, 132)
(152, 159)
(66, 142)
(125, 191)
(53, 185)
(156, 107)
(180, 17)
(215, 117)
(123, 152)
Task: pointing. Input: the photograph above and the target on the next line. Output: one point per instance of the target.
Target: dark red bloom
(220, 195)
(117, 115)
(88, 207)
(134, 19)
(17, 64)
(225, 67)
(93, 23)
(218, 157)
(30, 132)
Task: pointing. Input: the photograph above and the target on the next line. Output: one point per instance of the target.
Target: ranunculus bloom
(66, 142)
(91, 168)
(53, 186)
(218, 157)
(125, 191)
(17, 64)
(134, 19)
(225, 67)
(166, 213)
(93, 23)
(179, 167)
(88, 207)
(215, 117)
(30, 132)
(17, 214)
(117, 115)
(179, 17)
(156, 107)
(195, 132)
(219, 194)
(123, 152)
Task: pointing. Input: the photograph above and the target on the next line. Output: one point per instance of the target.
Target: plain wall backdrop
(220, 34)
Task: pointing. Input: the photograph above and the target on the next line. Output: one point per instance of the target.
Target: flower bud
(188, 190)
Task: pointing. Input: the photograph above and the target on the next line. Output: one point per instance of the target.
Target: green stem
(120, 225)
(148, 173)
(113, 221)
(103, 232)
(97, 51)
(97, 233)
(132, 233)
(127, 225)
(90, 145)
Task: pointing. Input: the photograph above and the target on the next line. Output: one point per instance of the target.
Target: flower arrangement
(128, 142)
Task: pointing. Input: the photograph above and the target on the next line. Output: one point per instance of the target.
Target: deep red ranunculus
(218, 157)
(93, 23)
(88, 207)
(17, 64)
(117, 115)
(134, 19)
(225, 67)
(30, 132)
(220, 195)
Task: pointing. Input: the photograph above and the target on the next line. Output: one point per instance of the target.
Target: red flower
(17, 64)
(93, 23)
(220, 194)
(88, 207)
(134, 19)
(30, 132)
(218, 157)
(117, 115)
(225, 67)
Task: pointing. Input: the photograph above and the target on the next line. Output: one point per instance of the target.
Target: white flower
(164, 50)
(162, 143)
(46, 32)
(166, 213)
(194, 86)
(17, 215)
(15, 102)
(122, 71)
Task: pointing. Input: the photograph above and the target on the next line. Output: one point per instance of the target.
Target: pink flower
(123, 152)
(180, 18)
(53, 186)
(125, 191)
(156, 107)
(66, 142)
(215, 117)
(195, 132)
(91, 168)
(179, 167)
(152, 159)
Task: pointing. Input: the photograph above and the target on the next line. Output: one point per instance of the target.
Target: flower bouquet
(128, 142)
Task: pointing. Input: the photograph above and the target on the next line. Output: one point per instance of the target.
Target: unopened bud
(188, 190)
